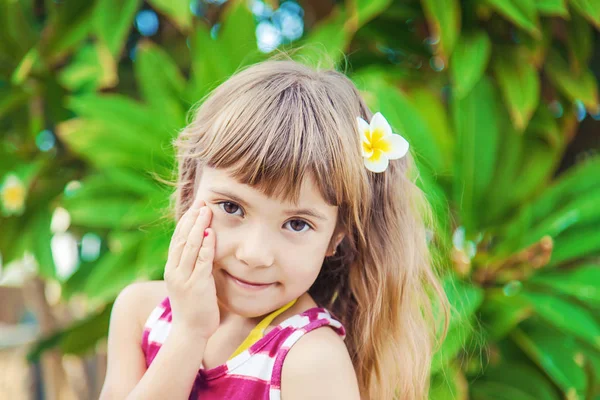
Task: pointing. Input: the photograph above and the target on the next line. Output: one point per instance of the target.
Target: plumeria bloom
(379, 144)
(13, 195)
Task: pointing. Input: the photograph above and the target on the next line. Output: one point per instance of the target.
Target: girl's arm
(193, 299)
(318, 366)
(171, 374)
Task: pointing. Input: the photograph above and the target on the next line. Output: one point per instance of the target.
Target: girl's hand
(188, 274)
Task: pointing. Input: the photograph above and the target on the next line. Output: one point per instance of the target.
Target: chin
(243, 308)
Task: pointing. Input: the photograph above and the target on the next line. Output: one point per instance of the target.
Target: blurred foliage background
(498, 98)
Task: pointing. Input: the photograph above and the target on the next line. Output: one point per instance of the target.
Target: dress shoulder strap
(156, 328)
(304, 323)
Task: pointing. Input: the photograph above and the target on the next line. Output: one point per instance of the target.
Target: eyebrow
(302, 211)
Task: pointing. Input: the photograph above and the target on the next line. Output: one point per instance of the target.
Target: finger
(206, 256)
(179, 239)
(193, 243)
(184, 222)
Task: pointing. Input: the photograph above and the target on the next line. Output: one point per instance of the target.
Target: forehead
(218, 178)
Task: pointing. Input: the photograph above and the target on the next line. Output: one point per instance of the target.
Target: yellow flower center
(13, 197)
(376, 143)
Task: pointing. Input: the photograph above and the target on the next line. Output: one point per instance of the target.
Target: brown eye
(298, 225)
(229, 207)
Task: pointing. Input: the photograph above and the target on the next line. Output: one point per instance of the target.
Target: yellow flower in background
(379, 144)
(13, 195)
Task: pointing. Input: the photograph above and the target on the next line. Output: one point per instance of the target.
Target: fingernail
(205, 233)
(197, 203)
(203, 211)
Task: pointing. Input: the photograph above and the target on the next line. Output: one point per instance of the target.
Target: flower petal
(363, 127)
(367, 150)
(378, 162)
(399, 147)
(378, 122)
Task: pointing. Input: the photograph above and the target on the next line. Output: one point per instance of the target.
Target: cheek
(303, 267)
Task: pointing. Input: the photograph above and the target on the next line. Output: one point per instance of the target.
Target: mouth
(246, 284)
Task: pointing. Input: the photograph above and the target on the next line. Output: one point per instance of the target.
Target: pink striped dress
(253, 374)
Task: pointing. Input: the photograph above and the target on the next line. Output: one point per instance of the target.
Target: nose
(255, 247)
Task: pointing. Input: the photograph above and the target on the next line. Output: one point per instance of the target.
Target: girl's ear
(335, 241)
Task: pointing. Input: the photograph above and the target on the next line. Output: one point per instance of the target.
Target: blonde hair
(277, 122)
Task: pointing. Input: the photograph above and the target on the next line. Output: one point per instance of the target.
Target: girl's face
(261, 240)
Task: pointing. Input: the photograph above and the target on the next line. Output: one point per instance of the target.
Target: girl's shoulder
(143, 297)
(319, 366)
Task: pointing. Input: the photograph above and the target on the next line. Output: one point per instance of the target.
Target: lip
(248, 285)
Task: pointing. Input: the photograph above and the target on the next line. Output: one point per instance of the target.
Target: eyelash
(240, 207)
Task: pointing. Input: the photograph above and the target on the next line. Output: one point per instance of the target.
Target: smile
(247, 285)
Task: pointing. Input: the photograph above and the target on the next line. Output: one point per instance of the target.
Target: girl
(294, 214)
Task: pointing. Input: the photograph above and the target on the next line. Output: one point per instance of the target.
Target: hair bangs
(273, 143)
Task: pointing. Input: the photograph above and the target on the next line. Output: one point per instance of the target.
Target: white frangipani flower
(379, 144)
(12, 195)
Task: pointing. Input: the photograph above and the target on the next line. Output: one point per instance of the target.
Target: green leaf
(566, 316)
(76, 339)
(575, 243)
(237, 37)
(66, 28)
(327, 42)
(469, 61)
(580, 40)
(575, 183)
(124, 116)
(17, 33)
(576, 86)
(499, 199)
(177, 10)
(116, 269)
(449, 384)
(579, 211)
(26, 65)
(105, 147)
(117, 180)
(589, 9)
(544, 143)
(520, 86)
(106, 212)
(433, 111)
(113, 20)
(40, 235)
(572, 184)
(498, 391)
(582, 282)
(209, 66)
(92, 68)
(464, 299)
(556, 355)
(556, 8)
(117, 198)
(154, 250)
(501, 313)
(368, 9)
(436, 196)
(11, 99)
(477, 129)
(443, 19)
(457, 338)
(119, 121)
(522, 13)
(511, 380)
(214, 60)
(160, 83)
